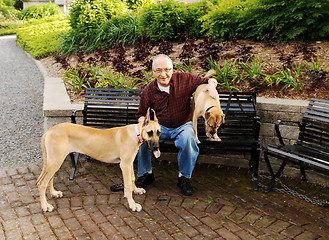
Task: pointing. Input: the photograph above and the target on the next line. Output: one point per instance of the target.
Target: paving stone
(218, 214)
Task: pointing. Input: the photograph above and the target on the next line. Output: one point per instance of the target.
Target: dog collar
(209, 108)
(138, 134)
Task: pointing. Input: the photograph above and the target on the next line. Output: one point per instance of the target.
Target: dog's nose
(212, 132)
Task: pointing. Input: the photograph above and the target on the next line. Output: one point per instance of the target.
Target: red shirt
(174, 109)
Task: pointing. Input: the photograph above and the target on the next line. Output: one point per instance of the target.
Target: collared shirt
(174, 109)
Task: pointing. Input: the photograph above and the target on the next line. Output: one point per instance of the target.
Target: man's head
(163, 69)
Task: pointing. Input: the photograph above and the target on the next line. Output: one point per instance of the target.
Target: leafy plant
(163, 20)
(84, 13)
(208, 49)
(41, 40)
(39, 11)
(290, 78)
(254, 70)
(185, 67)
(226, 74)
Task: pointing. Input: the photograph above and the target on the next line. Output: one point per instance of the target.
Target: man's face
(163, 70)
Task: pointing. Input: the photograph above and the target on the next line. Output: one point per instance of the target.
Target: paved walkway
(224, 206)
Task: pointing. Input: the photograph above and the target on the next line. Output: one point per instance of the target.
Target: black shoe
(184, 184)
(117, 187)
(144, 180)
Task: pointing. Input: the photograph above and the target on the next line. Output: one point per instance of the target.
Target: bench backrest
(315, 125)
(106, 108)
(241, 128)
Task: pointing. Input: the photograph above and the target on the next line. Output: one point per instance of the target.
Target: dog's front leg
(217, 138)
(136, 190)
(128, 186)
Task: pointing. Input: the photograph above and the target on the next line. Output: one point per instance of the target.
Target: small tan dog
(114, 145)
(209, 108)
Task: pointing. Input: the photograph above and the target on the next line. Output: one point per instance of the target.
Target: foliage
(121, 29)
(222, 20)
(8, 11)
(134, 4)
(195, 11)
(84, 13)
(9, 17)
(86, 75)
(40, 40)
(286, 20)
(164, 20)
(39, 11)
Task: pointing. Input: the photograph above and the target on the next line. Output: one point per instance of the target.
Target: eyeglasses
(159, 70)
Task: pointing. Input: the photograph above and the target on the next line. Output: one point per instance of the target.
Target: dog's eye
(150, 133)
(158, 132)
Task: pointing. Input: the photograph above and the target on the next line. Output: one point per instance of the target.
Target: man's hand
(211, 88)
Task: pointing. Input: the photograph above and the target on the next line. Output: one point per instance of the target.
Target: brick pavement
(224, 207)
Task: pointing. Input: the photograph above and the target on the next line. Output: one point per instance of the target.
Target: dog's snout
(212, 132)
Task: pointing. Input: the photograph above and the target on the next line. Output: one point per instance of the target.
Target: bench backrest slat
(315, 125)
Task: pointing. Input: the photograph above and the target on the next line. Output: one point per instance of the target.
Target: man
(169, 95)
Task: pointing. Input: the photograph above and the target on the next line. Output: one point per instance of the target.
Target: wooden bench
(311, 150)
(105, 108)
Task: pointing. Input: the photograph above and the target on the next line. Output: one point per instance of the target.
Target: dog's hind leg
(53, 191)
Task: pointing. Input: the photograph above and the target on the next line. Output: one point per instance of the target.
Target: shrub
(195, 11)
(286, 19)
(222, 20)
(134, 4)
(164, 20)
(121, 29)
(42, 39)
(85, 13)
(8, 11)
(39, 11)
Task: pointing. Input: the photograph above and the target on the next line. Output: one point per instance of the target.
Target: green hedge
(42, 39)
(39, 11)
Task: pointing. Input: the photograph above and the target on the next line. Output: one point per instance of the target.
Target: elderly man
(169, 95)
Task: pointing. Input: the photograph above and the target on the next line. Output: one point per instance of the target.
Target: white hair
(160, 56)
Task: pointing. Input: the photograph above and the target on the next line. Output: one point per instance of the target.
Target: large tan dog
(114, 145)
(209, 108)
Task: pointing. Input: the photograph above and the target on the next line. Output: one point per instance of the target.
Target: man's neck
(164, 89)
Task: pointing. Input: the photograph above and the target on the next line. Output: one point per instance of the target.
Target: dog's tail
(44, 156)
(211, 73)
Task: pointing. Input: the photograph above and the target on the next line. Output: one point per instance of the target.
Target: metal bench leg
(74, 160)
(302, 171)
(254, 161)
(274, 176)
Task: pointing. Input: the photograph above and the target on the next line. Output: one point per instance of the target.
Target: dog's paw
(139, 191)
(136, 207)
(57, 194)
(217, 139)
(47, 208)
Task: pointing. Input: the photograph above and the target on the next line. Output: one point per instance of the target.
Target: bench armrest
(73, 116)
(286, 122)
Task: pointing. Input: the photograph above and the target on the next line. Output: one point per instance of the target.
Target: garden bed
(273, 56)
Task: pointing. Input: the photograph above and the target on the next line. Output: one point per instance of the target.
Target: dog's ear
(147, 117)
(155, 119)
(207, 115)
